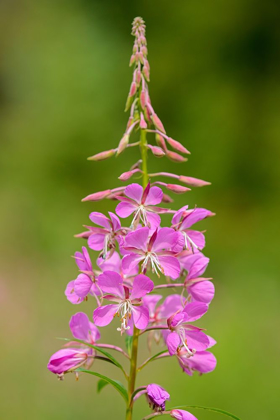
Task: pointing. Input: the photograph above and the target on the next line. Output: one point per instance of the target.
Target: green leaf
(105, 353)
(116, 384)
(128, 343)
(216, 410)
(151, 359)
(101, 384)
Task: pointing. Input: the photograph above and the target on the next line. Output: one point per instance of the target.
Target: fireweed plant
(120, 287)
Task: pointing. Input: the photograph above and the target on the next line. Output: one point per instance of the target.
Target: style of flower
(142, 203)
(128, 301)
(103, 239)
(157, 396)
(68, 359)
(152, 251)
(183, 334)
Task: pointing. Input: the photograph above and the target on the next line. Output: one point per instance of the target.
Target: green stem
(134, 350)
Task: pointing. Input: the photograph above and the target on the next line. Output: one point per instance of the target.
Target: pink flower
(128, 301)
(183, 219)
(184, 334)
(153, 251)
(104, 238)
(156, 397)
(200, 290)
(194, 264)
(182, 415)
(201, 361)
(141, 203)
(69, 359)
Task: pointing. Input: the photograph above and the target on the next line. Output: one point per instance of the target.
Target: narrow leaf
(216, 410)
(151, 359)
(116, 384)
(101, 384)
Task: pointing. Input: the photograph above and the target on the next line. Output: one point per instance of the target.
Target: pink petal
(115, 221)
(182, 415)
(197, 340)
(173, 341)
(203, 361)
(111, 264)
(140, 316)
(82, 285)
(177, 216)
(202, 291)
(195, 216)
(96, 241)
(135, 192)
(154, 196)
(142, 285)
(130, 262)
(150, 302)
(100, 219)
(79, 326)
(153, 219)
(138, 238)
(103, 315)
(71, 295)
(195, 310)
(165, 239)
(171, 304)
(124, 209)
(170, 265)
(111, 283)
(197, 237)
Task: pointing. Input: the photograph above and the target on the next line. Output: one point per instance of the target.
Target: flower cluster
(135, 261)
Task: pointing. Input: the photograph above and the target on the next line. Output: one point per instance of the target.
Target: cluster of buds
(127, 256)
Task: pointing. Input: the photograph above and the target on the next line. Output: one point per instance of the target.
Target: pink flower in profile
(85, 284)
(183, 219)
(103, 239)
(200, 290)
(128, 301)
(201, 361)
(154, 251)
(68, 359)
(182, 415)
(141, 203)
(194, 264)
(183, 334)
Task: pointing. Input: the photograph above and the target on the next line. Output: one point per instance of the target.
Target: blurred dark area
(64, 79)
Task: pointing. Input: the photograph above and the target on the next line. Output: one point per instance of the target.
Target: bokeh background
(64, 79)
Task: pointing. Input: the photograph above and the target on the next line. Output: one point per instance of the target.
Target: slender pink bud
(129, 122)
(193, 182)
(103, 155)
(175, 156)
(178, 189)
(132, 60)
(146, 73)
(122, 144)
(135, 48)
(138, 77)
(144, 50)
(143, 98)
(97, 196)
(157, 151)
(161, 142)
(177, 145)
(141, 57)
(157, 123)
(143, 123)
(167, 199)
(127, 175)
(133, 89)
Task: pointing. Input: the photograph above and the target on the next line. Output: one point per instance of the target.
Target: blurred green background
(64, 79)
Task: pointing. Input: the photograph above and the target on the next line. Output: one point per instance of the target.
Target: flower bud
(161, 142)
(177, 145)
(144, 50)
(132, 60)
(146, 73)
(127, 175)
(133, 89)
(157, 151)
(175, 156)
(123, 143)
(178, 189)
(66, 360)
(143, 98)
(182, 415)
(193, 182)
(167, 199)
(143, 123)
(138, 77)
(157, 123)
(141, 57)
(103, 155)
(157, 396)
(97, 196)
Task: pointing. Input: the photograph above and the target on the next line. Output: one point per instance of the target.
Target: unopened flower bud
(143, 99)
(138, 77)
(123, 143)
(157, 151)
(133, 88)
(178, 189)
(103, 155)
(157, 123)
(182, 415)
(177, 145)
(167, 199)
(66, 360)
(157, 396)
(132, 60)
(127, 175)
(193, 182)
(146, 73)
(161, 142)
(97, 196)
(175, 157)
(144, 50)
(143, 123)
(141, 57)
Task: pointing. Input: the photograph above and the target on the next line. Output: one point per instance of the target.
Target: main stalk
(134, 349)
